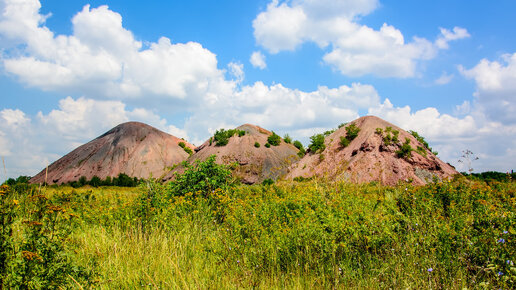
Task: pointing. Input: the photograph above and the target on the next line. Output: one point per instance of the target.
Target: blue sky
(71, 70)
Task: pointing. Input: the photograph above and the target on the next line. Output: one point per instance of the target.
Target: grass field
(313, 234)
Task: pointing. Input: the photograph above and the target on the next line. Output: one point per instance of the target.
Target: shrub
(267, 145)
(298, 145)
(421, 151)
(395, 135)
(342, 125)
(329, 132)
(352, 132)
(274, 139)
(185, 148)
(287, 139)
(268, 182)
(256, 144)
(221, 137)
(379, 131)
(301, 152)
(344, 142)
(405, 150)
(202, 176)
(317, 144)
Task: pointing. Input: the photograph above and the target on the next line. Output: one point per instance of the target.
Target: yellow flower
(16, 202)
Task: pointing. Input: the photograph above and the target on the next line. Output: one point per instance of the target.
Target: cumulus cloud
(103, 58)
(30, 143)
(492, 141)
(352, 48)
(236, 70)
(258, 60)
(444, 79)
(496, 87)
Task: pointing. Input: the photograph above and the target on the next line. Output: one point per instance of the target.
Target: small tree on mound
(202, 176)
(405, 150)
(317, 144)
(274, 139)
(351, 133)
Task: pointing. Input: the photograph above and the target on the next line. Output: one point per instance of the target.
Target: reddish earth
(133, 148)
(253, 164)
(367, 158)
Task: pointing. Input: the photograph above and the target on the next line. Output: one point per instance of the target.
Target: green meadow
(309, 234)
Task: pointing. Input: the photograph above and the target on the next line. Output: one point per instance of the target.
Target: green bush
(202, 176)
(267, 145)
(352, 132)
(379, 131)
(317, 144)
(185, 148)
(287, 139)
(344, 142)
(256, 144)
(274, 139)
(405, 150)
(298, 145)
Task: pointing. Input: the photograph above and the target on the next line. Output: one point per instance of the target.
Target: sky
(72, 70)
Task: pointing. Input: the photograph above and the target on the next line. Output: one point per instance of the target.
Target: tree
(317, 144)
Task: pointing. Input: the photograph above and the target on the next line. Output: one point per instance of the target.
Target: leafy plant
(379, 131)
(267, 145)
(274, 139)
(317, 143)
(405, 150)
(287, 139)
(256, 144)
(202, 176)
(185, 148)
(344, 142)
(222, 136)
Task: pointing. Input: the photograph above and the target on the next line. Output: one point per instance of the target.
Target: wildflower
(238, 261)
(430, 270)
(509, 262)
(505, 232)
(501, 241)
(340, 270)
(15, 202)
(500, 273)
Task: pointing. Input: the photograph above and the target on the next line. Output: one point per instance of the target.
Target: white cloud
(236, 70)
(447, 36)
(496, 87)
(102, 58)
(353, 49)
(449, 135)
(444, 79)
(258, 60)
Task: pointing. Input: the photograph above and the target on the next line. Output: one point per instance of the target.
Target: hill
(379, 152)
(245, 149)
(133, 148)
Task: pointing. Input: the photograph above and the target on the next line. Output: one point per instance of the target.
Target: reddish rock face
(253, 164)
(133, 148)
(369, 158)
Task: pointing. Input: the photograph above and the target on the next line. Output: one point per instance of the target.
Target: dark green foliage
(256, 144)
(379, 131)
(344, 142)
(329, 132)
(490, 176)
(352, 132)
(274, 139)
(342, 125)
(395, 134)
(83, 181)
(124, 180)
(287, 139)
(317, 143)
(95, 181)
(267, 145)
(267, 182)
(222, 136)
(186, 148)
(421, 151)
(20, 180)
(202, 176)
(405, 150)
(298, 145)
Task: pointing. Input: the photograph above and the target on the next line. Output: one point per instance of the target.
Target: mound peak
(380, 152)
(133, 148)
(254, 161)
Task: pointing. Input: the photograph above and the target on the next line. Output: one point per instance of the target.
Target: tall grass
(289, 235)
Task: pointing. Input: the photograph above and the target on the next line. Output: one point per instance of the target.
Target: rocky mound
(247, 149)
(133, 148)
(380, 152)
